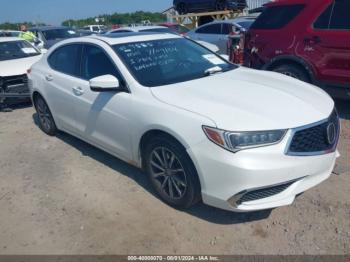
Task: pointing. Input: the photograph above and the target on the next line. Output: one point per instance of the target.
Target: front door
(102, 117)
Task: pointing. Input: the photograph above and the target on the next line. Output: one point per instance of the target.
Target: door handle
(78, 91)
(313, 40)
(49, 78)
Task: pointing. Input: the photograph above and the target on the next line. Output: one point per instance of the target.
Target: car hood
(17, 66)
(248, 100)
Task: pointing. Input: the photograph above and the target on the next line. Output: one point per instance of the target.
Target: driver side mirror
(105, 83)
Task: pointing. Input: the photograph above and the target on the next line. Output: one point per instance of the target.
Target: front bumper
(224, 176)
(14, 87)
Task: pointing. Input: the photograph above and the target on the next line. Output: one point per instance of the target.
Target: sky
(55, 11)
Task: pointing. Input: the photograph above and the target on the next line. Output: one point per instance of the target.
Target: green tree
(117, 18)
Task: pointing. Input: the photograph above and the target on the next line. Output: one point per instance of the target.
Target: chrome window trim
(317, 153)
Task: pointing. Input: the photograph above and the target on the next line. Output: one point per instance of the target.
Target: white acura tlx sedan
(202, 128)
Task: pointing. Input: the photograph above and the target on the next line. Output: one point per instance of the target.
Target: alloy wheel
(44, 114)
(168, 173)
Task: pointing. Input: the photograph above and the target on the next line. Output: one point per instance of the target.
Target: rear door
(60, 78)
(330, 40)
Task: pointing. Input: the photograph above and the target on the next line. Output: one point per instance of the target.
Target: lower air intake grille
(265, 192)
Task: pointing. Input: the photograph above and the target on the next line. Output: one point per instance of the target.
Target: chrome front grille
(316, 139)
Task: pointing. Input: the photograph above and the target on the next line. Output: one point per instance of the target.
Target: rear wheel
(46, 121)
(171, 172)
(182, 9)
(293, 71)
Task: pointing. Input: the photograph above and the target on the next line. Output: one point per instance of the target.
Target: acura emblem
(331, 133)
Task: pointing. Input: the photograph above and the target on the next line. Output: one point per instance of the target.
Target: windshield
(61, 33)
(246, 24)
(16, 49)
(169, 61)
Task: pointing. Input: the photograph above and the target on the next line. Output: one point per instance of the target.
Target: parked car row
(51, 35)
(192, 6)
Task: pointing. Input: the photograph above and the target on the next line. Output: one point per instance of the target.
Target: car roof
(45, 28)
(140, 28)
(287, 2)
(168, 24)
(10, 31)
(10, 39)
(228, 21)
(242, 18)
(114, 39)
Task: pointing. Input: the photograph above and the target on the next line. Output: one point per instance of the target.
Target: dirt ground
(58, 195)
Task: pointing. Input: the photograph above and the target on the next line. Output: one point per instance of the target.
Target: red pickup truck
(305, 39)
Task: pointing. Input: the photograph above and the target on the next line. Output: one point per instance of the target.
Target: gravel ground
(58, 195)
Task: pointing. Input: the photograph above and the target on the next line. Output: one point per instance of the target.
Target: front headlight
(236, 141)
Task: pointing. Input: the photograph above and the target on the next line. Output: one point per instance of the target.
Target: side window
(210, 29)
(227, 29)
(276, 17)
(120, 31)
(35, 33)
(322, 21)
(340, 18)
(66, 59)
(95, 62)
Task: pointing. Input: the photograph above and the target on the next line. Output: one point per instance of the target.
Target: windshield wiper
(213, 70)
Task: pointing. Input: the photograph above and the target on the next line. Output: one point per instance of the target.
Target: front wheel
(172, 173)
(292, 71)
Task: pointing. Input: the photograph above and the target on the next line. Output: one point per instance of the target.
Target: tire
(171, 172)
(293, 71)
(182, 9)
(46, 121)
(220, 5)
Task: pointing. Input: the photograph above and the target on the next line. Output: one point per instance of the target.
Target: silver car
(217, 32)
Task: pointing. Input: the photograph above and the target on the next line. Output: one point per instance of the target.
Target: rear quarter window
(340, 19)
(276, 17)
(322, 21)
